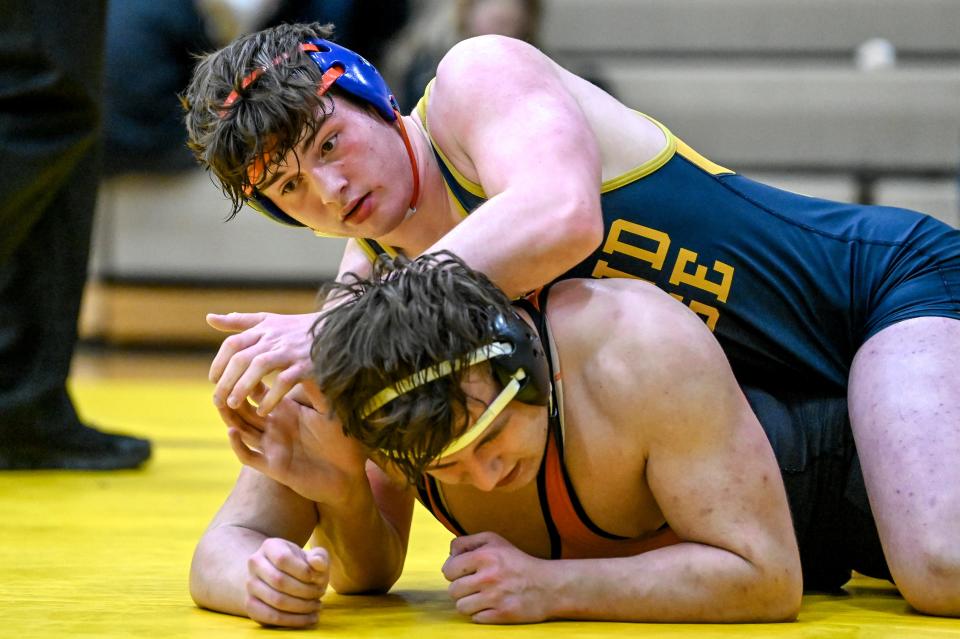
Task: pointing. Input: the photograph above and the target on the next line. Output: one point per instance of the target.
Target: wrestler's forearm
(366, 551)
(218, 571)
(687, 582)
(522, 245)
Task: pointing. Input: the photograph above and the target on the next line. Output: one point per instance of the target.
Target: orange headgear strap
(413, 161)
(251, 77)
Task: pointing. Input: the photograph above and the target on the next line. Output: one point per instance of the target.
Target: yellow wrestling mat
(107, 554)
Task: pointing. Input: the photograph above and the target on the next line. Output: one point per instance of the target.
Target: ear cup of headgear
(527, 354)
(360, 78)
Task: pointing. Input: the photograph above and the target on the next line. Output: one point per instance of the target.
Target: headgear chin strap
(486, 418)
(351, 73)
(517, 361)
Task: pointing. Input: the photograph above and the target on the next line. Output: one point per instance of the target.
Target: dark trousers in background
(51, 58)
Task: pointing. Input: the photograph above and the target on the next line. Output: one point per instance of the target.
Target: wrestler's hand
(285, 583)
(298, 446)
(494, 582)
(263, 343)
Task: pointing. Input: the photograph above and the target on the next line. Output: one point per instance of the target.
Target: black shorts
(813, 443)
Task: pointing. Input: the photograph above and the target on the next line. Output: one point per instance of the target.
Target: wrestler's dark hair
(397, 322)
(274, 113)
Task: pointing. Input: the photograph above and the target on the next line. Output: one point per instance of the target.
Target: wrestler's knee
(928, 576)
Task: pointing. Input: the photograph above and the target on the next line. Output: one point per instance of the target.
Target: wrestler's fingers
(284, 382)
(246, 455)
(458, 566)
(281, 597)
(257, 393)
(228, 348)
(464, 587)
(466, 543)
(252, 428)
(319, 560)
(257, 368)
(234, 322)
(284, 556)
(248, 413)
(291, 569)
(473, 604)
(240, 362)
(267, 615)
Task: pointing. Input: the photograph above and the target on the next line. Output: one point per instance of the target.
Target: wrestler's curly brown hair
(429, 310)
(274, 114)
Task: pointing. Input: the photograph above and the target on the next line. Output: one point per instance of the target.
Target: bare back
(647, 439)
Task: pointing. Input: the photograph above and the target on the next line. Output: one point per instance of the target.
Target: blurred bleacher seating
(771, 88)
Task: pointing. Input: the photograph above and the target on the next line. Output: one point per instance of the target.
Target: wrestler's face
(507, 455)
(352, 179)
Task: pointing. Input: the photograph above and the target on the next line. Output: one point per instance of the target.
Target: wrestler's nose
(485, 472)
(330, 185)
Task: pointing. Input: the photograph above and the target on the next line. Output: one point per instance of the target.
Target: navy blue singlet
(791, 285)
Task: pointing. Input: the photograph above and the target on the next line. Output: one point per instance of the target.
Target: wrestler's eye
(328, 145)
(290, 186)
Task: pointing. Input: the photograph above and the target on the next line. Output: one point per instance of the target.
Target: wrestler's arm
(266, 342)
(261, 529)
(256, 510)
(500, 109)
(709, 466)
(368, 536)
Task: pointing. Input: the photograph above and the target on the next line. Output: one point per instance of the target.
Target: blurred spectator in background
(150, 48)
(150, 55)
(51, 56)
(362, 25)
(411, 61)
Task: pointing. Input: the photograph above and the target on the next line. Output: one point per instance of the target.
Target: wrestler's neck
(435, 214)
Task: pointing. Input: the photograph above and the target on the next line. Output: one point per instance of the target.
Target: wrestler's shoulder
(607, 303)
(623, 319)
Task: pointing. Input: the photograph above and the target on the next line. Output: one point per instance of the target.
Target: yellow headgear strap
(431, 373)
(486, 418)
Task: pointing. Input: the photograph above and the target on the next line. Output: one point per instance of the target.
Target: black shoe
(76, 448)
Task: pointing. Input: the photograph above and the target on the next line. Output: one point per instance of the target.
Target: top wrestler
(560, 180)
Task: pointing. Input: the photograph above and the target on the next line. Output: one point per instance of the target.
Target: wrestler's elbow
(577, 224)
(784, 603)
(778, 592)
(930, 581)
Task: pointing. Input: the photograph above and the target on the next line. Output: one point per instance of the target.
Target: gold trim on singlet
(710, 167)
(470, 186)
(647, 167)
(673, 145)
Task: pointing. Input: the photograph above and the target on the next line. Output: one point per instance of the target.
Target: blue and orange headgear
(351, 73)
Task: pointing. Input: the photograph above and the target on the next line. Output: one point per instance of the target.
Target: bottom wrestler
(617, 472)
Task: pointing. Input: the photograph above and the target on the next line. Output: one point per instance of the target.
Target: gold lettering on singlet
(709, 313)
(603, 269)
(656, 245)
(655, 258)
(698, 278)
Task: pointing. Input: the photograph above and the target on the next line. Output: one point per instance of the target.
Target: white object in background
(876, 54)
